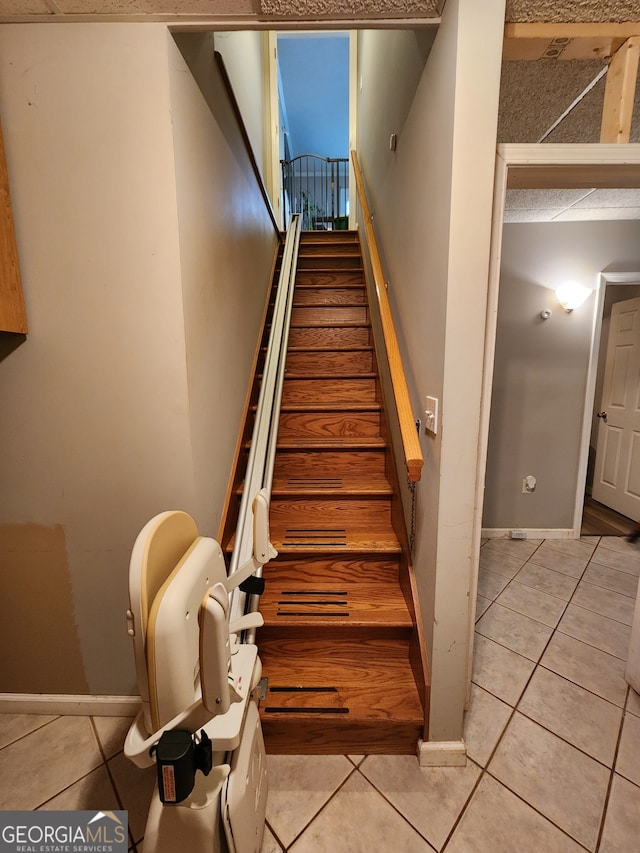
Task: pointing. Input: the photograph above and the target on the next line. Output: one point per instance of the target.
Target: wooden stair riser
(325, 392)
(328, 236)
(323, 338)
(327, 463)
(294, 572)
(329, 262)
(327, 514)
(329, 317)
(364, 689)
(329, 278)
(337, 734)
(329, 296)
(332, 363)
(328, 425)
(336, 248)
(330, 627)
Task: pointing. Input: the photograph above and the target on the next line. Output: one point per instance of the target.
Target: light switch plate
(431, 415)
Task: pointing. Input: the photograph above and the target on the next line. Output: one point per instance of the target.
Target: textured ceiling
(552, 11)
(258, 9)
(572, 11)
(350, 8)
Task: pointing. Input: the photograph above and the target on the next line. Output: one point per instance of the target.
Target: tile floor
(553, 734)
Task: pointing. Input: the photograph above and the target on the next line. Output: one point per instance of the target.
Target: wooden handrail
(410, 441)
(247, 142)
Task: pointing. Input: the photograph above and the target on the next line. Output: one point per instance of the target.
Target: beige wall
(100, 426)
(227, 246)
(432, 202)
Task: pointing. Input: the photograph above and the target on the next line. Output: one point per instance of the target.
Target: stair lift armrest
(246, 622)
(138, 743)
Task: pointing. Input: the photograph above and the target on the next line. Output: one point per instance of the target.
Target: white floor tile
(299, 786)
(546, 580)
(430, 798)
(583, 719)
(628, 760)
(623, 559)
(562, 783)
(622, 820)
(490, 584)
(497, 821)
(599, 672)
(93, 791)
(55, 755)
(15, 726)
(605, 634)
(484, 723)
(500, 670)
(607, 603)
(359, 820)
(111, 733)
(560, 560)
(603, 576)
(532, 602)
(517, 632)
(500, 563)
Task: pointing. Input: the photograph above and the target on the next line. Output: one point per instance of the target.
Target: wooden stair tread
(339, 486)
(329, 541)
(329, 278)
(329, 603)
(328, 376)
(349, 484)
(359, 443)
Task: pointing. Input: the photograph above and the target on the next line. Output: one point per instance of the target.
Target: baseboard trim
(59, 703)
(445, 753)
(529, 533)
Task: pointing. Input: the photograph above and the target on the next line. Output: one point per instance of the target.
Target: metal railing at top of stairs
(259, 473)
(317, 188)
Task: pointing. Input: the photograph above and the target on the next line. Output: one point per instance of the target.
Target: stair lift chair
(197, 684)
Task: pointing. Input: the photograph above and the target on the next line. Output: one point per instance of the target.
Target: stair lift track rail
(259, 474)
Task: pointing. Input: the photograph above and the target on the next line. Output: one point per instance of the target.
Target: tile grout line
(605, 805)
(322, 808)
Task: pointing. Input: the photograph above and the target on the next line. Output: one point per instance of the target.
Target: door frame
(605, 278)
(542, 166)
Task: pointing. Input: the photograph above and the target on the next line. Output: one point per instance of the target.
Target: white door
(617, 468)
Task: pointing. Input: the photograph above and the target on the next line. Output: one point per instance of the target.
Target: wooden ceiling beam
(619, 95)
(565, 41)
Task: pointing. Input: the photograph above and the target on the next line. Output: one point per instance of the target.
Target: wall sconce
(572, 295)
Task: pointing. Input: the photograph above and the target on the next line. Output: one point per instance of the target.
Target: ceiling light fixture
(572, 295)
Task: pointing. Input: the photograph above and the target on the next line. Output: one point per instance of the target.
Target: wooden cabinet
(12, 313)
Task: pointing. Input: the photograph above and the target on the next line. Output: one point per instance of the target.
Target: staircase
(340, 644)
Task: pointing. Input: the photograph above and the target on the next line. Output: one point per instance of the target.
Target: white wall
(540, 372)
(101, 424)
(432, 202)
(243, 59)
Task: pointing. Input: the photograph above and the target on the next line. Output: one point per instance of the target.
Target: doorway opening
(313, 107)
(553, 167)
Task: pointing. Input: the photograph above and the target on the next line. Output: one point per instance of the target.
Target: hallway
(553, 734)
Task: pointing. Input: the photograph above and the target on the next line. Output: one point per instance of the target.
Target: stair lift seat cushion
(159, 547)
(173, 631)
